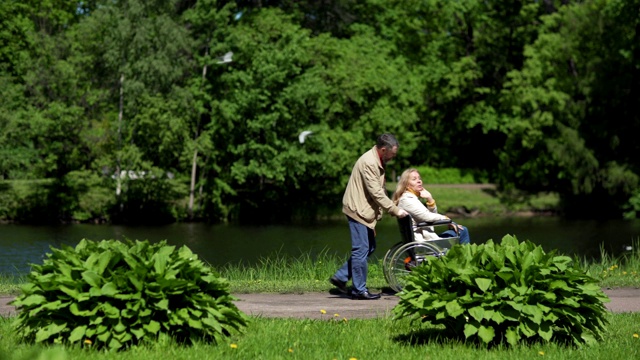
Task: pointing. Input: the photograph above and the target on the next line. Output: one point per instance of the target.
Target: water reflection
(223, 244)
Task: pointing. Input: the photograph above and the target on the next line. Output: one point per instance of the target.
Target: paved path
(309, 305)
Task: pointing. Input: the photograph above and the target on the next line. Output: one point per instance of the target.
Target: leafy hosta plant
(116, 294)
(513, 292)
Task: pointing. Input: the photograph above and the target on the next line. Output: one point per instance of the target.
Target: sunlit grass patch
(10, 284)
(616, 271)
(283, 273)
(382, 338)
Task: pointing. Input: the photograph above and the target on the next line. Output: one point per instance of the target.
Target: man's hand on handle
(402, 213)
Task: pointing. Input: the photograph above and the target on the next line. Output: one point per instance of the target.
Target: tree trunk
(194, 163)
(118, 165)
(192, 187)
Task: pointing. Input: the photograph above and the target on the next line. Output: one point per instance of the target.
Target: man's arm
(371, 181)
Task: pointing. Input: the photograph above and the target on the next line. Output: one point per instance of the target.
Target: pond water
(21, 245)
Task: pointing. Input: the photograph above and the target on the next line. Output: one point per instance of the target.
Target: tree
(558, 109)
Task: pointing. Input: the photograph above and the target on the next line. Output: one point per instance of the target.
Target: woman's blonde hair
(403, 183)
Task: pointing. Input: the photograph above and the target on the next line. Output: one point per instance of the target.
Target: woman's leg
(464, 235)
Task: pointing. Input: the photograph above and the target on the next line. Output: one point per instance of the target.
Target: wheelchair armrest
(432, 223)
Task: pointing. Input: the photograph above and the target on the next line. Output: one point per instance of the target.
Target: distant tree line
(129, 110)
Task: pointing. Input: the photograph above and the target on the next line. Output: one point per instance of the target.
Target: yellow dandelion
(635, 336)
(624, 273)
(234, 346)
(290, 350)
(323, 311)
(541, 353)
(344, 319)
(88, 341)
(352, 358)
(336, 315)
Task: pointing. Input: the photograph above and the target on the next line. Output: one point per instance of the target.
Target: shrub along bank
(89, 198)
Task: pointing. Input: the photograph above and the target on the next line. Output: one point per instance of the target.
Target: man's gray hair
(386, 140)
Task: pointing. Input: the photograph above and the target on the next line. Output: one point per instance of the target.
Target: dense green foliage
(117, 294)
(126, 111)
(508, 292)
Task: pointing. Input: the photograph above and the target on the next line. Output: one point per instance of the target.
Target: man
(364, 200)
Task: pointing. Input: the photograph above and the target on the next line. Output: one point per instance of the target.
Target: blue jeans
(363, 243)
(464, 235)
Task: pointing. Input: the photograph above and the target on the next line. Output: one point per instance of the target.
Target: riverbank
(455, 200)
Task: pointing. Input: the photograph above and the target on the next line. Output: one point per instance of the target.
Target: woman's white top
(420, 213)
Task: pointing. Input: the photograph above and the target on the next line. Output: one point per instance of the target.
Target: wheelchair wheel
(386, 262)
(407, 257)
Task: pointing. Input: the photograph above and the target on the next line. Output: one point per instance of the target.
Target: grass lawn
(382, 338)
(338, 338)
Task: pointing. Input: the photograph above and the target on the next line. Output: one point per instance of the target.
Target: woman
(407, 196)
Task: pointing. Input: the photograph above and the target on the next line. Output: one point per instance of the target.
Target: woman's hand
(425, 194)
(453, 226)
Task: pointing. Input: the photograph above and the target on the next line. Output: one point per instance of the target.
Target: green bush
(511, 292)
(90, 197)
(431, 175)
(115, 294)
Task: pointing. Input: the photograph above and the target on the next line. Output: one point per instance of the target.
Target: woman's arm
(417, 210)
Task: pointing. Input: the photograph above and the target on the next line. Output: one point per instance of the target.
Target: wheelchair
(409, 253)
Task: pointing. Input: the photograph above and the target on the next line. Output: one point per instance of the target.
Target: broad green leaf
(109, 289)
(31, 300)
(138, 332)
(74, 308)
(483, 283)
(477, 312)
(194, 323)
(588, 338)
(103, 262)
(470, 329)
(71, 292)
(135, 281)
(163, 304)
(213, 323)
(454, 309)
(77, 334)
(152, 327)
(559, 284)
(486, 333)
(534, 311)
(545, 331)
(114, 343)
(92, 278)
(512, 336)
(45, 333)
(527, 328)
(120, 327)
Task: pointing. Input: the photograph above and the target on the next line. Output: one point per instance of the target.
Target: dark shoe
(341, 285)
(365, 296)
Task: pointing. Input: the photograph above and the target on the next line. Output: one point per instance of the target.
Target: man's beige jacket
(365, 197)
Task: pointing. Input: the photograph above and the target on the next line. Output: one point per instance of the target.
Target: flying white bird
(303, 135)
(226, 58)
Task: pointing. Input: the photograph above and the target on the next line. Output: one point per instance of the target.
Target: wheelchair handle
(437, 222)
